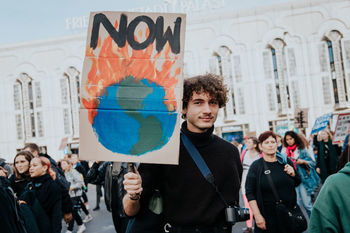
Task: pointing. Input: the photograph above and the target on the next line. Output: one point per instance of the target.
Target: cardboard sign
(321, 123)
(132, 87)
(342, 127)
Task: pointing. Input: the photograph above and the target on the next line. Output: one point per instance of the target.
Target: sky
(31, 20)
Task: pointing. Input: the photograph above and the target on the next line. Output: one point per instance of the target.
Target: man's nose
(206, 108)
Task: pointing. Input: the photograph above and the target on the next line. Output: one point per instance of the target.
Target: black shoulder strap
(202, 166)
(272, 185)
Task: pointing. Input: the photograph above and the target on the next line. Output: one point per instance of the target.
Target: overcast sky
(28, 20)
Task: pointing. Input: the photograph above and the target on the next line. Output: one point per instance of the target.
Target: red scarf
(290, 154)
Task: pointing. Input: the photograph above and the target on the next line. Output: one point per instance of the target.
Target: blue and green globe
(132, 118)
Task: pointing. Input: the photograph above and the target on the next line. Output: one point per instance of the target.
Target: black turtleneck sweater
(188, 199)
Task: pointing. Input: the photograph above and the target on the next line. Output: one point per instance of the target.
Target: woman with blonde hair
(327, 159)
(75, 192)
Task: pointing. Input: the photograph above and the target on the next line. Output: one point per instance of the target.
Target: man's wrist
(135, 197)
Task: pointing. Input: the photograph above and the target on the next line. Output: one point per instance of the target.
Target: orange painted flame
(113, 64)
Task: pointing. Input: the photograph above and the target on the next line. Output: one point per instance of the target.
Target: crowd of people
(273, 173)
(45, 192)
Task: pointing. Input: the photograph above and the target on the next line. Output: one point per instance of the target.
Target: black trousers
(98, 194)
(76, 216)
(84, 197)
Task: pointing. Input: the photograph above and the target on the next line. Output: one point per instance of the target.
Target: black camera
(236, 214)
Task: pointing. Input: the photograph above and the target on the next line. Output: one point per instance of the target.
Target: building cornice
(235, 14)
(43, 42)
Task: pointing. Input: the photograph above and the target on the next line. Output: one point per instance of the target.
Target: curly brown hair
(208, 83)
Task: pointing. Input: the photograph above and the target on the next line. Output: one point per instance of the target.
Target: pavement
(102, 219)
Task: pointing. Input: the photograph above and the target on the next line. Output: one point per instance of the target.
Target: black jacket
(18, 185)
(61, 180)
(111, 176)
(81, 169)
(9, 218)
(48, 193)
(97, 173)
(253, 183)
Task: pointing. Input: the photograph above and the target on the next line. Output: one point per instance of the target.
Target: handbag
(292, 219)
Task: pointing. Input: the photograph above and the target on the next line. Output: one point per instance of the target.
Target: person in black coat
(9, 218)
(46, 191)
(67, 205)
(21, 176)
(111, 176)
(259, 192)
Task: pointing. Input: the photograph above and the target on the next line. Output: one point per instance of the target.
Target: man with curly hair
(190, 202)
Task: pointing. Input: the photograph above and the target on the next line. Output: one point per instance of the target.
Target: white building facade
(274, 60)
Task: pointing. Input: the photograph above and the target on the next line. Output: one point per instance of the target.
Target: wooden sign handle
(131, 167)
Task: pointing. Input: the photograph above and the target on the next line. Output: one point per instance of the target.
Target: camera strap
(272, 185)
(202, 166)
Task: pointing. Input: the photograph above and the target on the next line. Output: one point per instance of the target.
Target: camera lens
(243, 214)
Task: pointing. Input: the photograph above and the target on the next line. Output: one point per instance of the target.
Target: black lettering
(118, 37)
(174, 39)
(131, 30)
(156, 32)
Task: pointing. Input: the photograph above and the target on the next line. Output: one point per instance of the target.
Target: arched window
(280, 68)
(27, 104)
(17, 97)
(221, 64)
(334, 84)
(70, 98)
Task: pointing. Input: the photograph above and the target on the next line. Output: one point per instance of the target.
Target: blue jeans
(303, 199)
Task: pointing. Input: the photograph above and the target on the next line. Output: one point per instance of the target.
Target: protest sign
(132, 87)
(321, 123)
(342, 127)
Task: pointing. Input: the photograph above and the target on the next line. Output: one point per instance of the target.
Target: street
(102, 221)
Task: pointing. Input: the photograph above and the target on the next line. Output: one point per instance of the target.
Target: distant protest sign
(342, 128)
(132, 87)
(321, 123)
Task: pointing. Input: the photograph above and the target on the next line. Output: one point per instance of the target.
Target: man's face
(34, 152)
(201, 112)
(74, 159)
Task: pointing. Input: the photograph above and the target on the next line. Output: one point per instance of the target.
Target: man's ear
(260, 147)
(183, 113)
